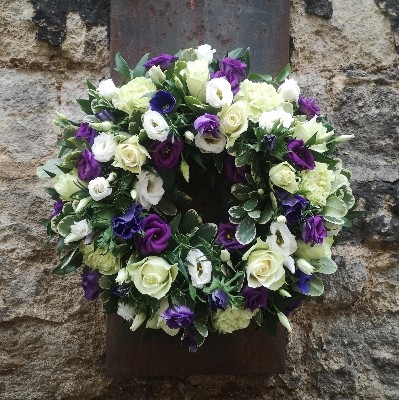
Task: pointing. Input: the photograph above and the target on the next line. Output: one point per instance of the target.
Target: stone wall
(343, 346)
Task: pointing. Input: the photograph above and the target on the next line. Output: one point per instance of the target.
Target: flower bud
(284, 293)
(304, 266)
(101, 126)
(261, 192)
(156, 74)
(224, 256)
(343, 138)
(133, 193)
(284, 321)
(185, 170)
(281, 219)
(112, 176)
(189, 136)
(82, 204)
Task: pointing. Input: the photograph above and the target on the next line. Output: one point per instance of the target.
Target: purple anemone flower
(299, 155)
(313, 230)
(308, 107)
(57, 208)
(88, 167)
(178, 317)
(128, 224)
(163, 61)
(166, 154)
(218, 299)
(255, 297)
(163, 102)
(87, 133)
(226, 237)
(90, 284)
(292, 205)
(208, 125)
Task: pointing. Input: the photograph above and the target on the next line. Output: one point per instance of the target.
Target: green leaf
(283, 74)
(105, 282)
(237, 212)
(255, 214)
(174, 224)
(240, 191)
(334, 220)
(85, 105)
(60, 245)
(246, 231)
(265, 216)
(316, 287)
(102, 219)
(258, 317)
(260, 77)
(206, 232)
(139, 69)
(182, 268)
(122, 67)
(319, 157)
(166, 207)
(244, 158)
(52, 193)
(235, 53)
(69, 263)
(250, 204)
(201, 328)
(327, 266)
(193, 291)
(190, 221)
(64, 226)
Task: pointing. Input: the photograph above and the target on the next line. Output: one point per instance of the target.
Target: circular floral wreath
(122, 212)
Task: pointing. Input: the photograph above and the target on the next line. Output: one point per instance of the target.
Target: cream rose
(149, 189)
(283, 175)
(155, 126)
(196, 75)
(99, 188)
(107, 89)
(130, 155)
(132, 96)
(233, 121)
(152, 276)
(218, 92)
(67, 184)
(230, 320)
(103, 147)
(264, 267)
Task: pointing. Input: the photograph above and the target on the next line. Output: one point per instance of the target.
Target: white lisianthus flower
(264, 267)
(157, 75)
(126, 311)
(67, 184)
(210, 144)
(130, 155)
(205, 52)
(152, 276)
(122, 276)
(157, 322)
(233, 121)
(155, 126)
(107, 89)
(132, 96)
(149, 188)
(199, 268)
(218, 92)
(281, 239)
(99, 188)
(289, 90)
(106, 263)
(283, 175)
(230, 320)
(269, 118)
(79, 230)
(196, 75)
(103, 147)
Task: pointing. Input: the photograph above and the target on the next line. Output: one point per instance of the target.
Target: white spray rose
(264, 267)
(230, 320)
(197, 75)
(218, 92)
(130, 155)
(122, 276)
(103, 147)
(107, 89)
(205, 52)
(199, 268)
(152, 276)
(155, 126)
(67, 184)
(269, 118)
(149, 188)
(289, 90)
(99, 188)
(157, 75)
(233, 121)
(283, 175)
(210, 144)
(79, 230)
(157, 322)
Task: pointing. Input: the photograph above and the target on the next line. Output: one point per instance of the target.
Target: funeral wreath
(122, 216)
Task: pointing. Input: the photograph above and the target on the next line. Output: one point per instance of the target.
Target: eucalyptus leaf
(205, 232)
(237, 212)
(316, 287)
(64, 226)
(327, 266)
(69, 263)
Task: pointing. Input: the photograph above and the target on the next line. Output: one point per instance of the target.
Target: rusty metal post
(160, 26)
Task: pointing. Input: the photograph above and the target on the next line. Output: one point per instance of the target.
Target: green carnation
(106, 263)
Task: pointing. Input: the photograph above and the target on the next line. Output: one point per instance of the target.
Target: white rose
(289, 90)
(67, 184)
(155, 126)
(199, 268)
(157, 75)
(197, 75)
(233, 121)
(107, 89)
(99, 188)
(152, 276)
(264, 267)
(205, 52)
(269, 118)
(210, 144)
(230, 320)
(157, 322)
(283, 175)
(130, 155)
(218, 93)
(149, 188)
(79, 230)
(103, 147)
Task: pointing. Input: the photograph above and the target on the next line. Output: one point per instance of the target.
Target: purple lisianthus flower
(308, 107)
(166, 154)
(230, 77)
(105, 115)
(226, 237)
(236, 67)
(313, 230)
(178, 317)
(90, 284)
(234, 174)
(292, 205)
(163, 102)
(255, 297)
(128, 224)
(218, 299)
(85, 132)
(208, 125)
(163, 61)
(57, 208)
(303, 281)
(88, 167)
(300, 155)
(156, 235)
(269, 142)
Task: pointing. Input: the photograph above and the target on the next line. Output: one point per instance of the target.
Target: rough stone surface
(322, 8)
(344, 345)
